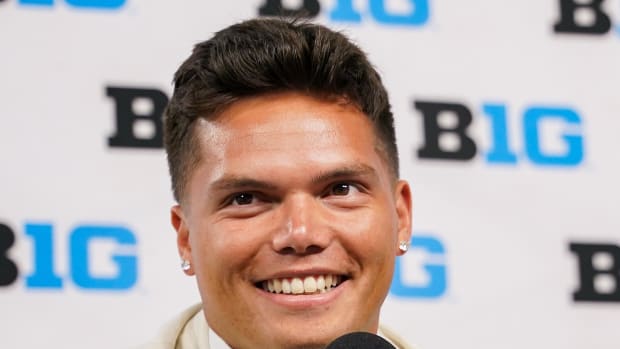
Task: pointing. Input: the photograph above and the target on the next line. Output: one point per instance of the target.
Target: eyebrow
(234, 182)
(357, 170)
(240, 182)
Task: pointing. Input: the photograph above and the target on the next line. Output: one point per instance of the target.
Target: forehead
(285, 123)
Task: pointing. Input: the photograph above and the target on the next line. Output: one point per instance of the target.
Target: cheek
(371, 234)
(228, 244)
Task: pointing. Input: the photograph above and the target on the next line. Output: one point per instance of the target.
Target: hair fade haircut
(260, 56)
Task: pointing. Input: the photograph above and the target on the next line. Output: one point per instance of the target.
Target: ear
(180, 225)
(403, 211)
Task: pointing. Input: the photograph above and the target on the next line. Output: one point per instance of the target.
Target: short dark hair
(261, 56)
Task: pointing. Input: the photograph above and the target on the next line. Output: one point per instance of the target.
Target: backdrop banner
(507, 116)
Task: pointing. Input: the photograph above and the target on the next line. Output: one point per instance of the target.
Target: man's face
(291, 222)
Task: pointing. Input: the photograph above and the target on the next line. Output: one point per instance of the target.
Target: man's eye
(242, 199)
(341, 189)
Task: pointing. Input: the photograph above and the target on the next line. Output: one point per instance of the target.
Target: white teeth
(328, 280)
(277, 285)
(320, 283)
(270, 286)
(307, 285)
(286, 286)
(297, 286)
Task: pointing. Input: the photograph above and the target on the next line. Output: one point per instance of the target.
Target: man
(290, 213)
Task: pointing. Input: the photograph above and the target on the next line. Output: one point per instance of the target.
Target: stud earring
(403, 246)
(185, 265)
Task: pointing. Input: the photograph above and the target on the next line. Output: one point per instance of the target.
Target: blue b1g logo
(93, 4)
(416, 14)
(431, 270)
(535, 121)
(82, 242)
(410, 13)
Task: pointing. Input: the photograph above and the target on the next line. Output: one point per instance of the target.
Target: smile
(303, 285)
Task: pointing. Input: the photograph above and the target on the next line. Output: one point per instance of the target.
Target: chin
(303, 334)
(304, 341)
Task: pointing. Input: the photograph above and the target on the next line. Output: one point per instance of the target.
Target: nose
(303, 229)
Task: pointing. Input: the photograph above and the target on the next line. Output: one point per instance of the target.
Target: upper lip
(301, 273)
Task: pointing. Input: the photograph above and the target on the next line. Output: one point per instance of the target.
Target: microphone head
(360, 340)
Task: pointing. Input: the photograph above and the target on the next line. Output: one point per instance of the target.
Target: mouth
(311, 284)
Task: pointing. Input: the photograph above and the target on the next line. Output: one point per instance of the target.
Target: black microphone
(360, 340)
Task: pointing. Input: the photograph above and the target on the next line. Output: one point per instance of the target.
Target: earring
(185, 265)
(403, 246)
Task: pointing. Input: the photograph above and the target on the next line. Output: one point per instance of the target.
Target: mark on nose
(300, 230)
(297, 230)
(289, 227)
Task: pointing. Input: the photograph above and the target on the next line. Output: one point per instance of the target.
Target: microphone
(360, 340)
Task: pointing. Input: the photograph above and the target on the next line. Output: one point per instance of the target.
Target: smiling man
(290, 213)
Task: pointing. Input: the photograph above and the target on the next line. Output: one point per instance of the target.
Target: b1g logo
(421, 273)
(599, 272)
(588, 17)
(543, 143)
(84, 241)
(395, 12)
(85, 4)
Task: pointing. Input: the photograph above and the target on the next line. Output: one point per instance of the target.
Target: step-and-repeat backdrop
(508, 120)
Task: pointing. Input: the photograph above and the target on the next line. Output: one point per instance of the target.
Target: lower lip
(304, 301)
